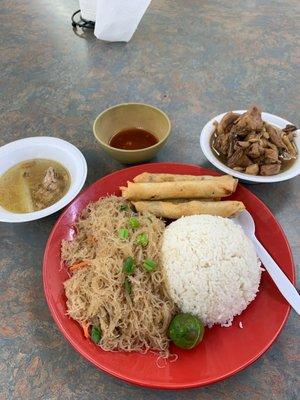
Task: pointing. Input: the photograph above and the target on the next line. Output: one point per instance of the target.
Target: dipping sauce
(33, 185)
(133, 139)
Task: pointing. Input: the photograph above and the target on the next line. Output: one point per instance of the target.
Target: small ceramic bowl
(52, 149)
(205, 138)
(129, 115)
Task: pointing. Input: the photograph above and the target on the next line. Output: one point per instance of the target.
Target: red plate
(224, 351)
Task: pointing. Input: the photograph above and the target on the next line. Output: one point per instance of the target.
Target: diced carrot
(92, 239)
(85, 328)
(79, 265)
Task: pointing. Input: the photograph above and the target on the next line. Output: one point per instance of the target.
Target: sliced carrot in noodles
(91, 239)
(85, 327)
(79, 265)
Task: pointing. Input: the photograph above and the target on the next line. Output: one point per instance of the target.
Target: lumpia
(170, 210)
(180, 190)
(148, 177)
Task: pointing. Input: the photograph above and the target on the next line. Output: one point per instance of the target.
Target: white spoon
(287, 289)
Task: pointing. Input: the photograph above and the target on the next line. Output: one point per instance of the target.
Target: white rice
(211, 267)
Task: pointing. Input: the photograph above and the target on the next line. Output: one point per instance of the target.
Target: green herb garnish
(123, 233)
(142, 239)
(128, 266)
(134, 222)
(149, 265)
(127, 285)
(96, 334)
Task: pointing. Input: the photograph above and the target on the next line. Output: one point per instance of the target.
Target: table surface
(194, 59)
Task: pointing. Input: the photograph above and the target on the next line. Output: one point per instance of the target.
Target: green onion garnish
(123, 233)
(123, 207)
(128, 266)
(127, 285)
(149, 265)
(96, 334)
(142, 239)
(134, 222)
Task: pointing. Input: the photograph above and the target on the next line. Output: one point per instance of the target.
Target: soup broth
(33, 185)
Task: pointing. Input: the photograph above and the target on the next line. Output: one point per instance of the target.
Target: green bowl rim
(137, 150)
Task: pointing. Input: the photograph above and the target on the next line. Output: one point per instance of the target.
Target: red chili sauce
(133, 139)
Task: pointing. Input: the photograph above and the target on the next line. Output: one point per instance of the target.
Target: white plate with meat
(253, 146)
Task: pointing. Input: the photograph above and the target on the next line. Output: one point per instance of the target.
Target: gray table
(194, 59)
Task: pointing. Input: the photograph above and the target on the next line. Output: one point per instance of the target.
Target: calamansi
(186, 331)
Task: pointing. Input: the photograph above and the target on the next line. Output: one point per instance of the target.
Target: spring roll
(171, 210)
(207, 188)
(185, 200)
(148, 177)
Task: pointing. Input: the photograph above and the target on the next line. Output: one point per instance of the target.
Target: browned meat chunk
(239, 159)
(248, 122)
(231, 146)
(50, 181)
(252, 137)
(239, 169)
(265, 134)
(289, 128)
(270, 169)
(255, 150)
(221, 144)
(226, 122)
(253, 169)
(49, 189)
(289, 146)
(274, 137)
(271, 156)
(291, 136)
(243, 145)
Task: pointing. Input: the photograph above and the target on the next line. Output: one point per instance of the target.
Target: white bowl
(207, 132)
(52, 149)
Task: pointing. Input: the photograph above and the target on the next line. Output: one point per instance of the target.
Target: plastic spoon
(285, 286)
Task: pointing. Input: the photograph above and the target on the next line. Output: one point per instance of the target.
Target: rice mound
(211, 267)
